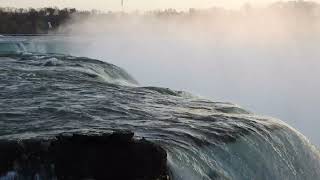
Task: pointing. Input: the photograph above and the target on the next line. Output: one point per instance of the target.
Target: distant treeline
(45, 20)
(32, 21)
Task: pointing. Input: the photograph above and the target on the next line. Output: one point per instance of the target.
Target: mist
(264, 59)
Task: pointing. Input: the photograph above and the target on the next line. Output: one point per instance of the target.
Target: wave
(44, 95)
(62, 66)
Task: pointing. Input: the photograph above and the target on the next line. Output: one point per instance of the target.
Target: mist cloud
(266, 59)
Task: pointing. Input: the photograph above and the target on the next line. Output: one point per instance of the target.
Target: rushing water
(42, 95)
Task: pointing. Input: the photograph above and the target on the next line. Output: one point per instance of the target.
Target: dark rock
(101, 157)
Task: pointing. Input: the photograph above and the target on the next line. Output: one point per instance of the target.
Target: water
(274, 76)
(42, 95)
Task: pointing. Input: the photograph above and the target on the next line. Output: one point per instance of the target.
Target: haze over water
(265, 60)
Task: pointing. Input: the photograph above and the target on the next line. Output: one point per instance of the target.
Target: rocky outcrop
(108, 156)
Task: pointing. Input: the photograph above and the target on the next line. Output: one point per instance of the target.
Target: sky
(130, 5)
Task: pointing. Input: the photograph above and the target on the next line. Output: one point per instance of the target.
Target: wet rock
(100, 157)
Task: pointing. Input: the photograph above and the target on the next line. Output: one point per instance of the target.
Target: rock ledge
(100, 157)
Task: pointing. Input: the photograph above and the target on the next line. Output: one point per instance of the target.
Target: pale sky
(130, 5)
